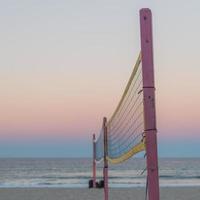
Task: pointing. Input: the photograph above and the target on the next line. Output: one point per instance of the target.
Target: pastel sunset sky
(64, 65)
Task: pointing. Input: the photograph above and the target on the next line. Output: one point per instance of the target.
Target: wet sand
(184, 193)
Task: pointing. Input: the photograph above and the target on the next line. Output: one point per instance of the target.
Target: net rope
(125, 128)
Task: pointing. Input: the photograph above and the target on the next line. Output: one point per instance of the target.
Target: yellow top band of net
(137, 64)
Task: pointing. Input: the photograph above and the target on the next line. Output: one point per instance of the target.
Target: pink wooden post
(105, 169)
(94, 163)
(149, 103)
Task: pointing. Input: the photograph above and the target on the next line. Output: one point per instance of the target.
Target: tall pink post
(105, 169)
(94, 163)
(149, 103)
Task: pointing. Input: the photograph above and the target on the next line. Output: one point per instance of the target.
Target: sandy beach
(184, 193)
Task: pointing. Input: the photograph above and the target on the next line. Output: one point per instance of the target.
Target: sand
(184, 193)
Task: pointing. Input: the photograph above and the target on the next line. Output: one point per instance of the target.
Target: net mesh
(126, 126)
(100, 147)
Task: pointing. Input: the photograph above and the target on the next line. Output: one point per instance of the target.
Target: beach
(67, 179)
(171, 193)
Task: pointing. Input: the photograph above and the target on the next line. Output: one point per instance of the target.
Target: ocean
(75, 172)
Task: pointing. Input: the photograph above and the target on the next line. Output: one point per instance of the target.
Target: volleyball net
(100, 147)
(132, 127)
(126, 126)
(125, 129)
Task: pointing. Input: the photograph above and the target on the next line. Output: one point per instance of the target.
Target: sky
(64, 66)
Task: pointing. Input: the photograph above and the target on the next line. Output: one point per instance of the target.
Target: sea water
(75, 172)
